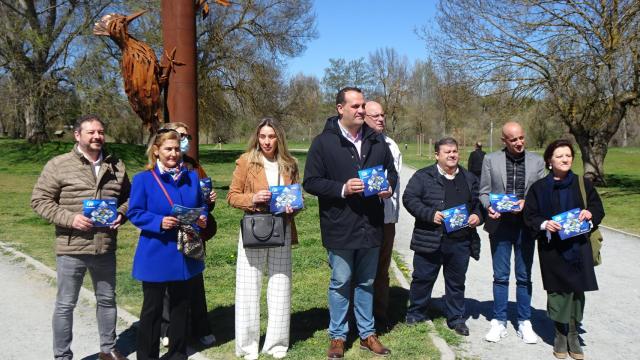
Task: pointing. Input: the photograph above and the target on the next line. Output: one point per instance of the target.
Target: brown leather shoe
(374, 345)
(113, 355)
(336, 349)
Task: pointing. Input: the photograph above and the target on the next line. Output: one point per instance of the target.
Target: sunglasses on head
(183, 136)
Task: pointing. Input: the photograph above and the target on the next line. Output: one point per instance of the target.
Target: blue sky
(351, 29)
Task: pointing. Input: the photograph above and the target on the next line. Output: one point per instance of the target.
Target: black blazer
(558, 275)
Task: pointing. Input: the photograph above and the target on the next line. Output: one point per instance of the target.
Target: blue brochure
(456, 218)
(571, 226)
(103, 212)
(504, 202)
(375, 180)
(282, 196)
(185, 214)
(206, 185)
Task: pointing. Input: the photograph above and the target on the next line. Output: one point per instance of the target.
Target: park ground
(20, 164)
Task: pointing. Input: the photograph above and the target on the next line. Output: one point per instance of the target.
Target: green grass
(20, 164)
(621, 196)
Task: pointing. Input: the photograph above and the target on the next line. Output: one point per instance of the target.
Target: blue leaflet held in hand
(456, 218)
(282, 196)
(571, 226)
(504, 202)
(185, 214)
(374, 179)
(206, 185)
(103, 212)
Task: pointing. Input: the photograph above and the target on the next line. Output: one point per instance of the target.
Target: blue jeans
(502, 241)
(70, 271)
(453, 256)
(360, 266)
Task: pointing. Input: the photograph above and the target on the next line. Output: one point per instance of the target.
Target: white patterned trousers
(249, 272)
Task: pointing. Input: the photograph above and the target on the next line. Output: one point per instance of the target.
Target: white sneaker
(164, 341)
(526, 333)
(207, 340)
(498, 331)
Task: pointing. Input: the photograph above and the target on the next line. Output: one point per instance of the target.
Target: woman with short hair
(566, 265)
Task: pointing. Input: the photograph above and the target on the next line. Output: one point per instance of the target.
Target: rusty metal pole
(179, 31)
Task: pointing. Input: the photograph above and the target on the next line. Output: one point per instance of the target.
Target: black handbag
(260, 231)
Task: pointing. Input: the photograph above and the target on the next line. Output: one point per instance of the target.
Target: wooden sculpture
(143, 76)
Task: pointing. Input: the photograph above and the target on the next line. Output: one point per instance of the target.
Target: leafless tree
(582, 55)
(390, 73)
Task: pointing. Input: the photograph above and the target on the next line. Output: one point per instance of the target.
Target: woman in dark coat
(566, 265)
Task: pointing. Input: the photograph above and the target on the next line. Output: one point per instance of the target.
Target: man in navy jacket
(350, 224)
(430, 191)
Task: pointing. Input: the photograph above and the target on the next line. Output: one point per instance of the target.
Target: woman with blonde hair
(266, 162)
(200, 327)
(157, 262)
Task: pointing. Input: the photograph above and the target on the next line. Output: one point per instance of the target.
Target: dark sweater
(456, 192)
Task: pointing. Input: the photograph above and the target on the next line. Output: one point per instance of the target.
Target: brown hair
(158, 139)
(175, 125)
(286, 163)
(548, 152)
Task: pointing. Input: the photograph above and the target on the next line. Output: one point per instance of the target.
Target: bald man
(511, 170)
(375, 119)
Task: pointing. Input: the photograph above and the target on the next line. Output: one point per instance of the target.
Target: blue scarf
(566, 201)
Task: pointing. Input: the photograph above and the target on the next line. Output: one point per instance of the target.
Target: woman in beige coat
(267, 162)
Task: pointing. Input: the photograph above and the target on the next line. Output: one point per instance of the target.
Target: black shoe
(411, 321)
(461, 328)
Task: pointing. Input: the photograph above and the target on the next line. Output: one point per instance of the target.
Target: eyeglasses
(182, 136)
(375, 116)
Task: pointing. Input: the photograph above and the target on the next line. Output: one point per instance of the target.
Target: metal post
(491, 135)
(179, 31)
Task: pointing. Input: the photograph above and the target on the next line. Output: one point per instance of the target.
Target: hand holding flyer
(374, 179)
(281, 196)
(456, 218)
(504, 202)
(103, 212)
(571, 225)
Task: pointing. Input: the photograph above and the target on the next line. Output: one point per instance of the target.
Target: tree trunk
(35, 122)
(593, 153)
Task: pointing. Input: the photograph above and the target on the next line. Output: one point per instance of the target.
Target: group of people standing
(357, 231)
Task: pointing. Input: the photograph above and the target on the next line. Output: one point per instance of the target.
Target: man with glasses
(374, 117)
(511, 170)
(86, 172)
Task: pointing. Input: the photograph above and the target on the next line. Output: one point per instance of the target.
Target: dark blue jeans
(502, 241)
(453, 256)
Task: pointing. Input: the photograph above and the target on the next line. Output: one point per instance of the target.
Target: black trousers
(148, 336)
(453, 256)
(199, 322)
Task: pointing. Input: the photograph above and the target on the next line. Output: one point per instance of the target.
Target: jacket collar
(332, 126)
(106, 157)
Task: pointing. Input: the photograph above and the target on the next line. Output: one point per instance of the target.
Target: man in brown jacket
(86, 172)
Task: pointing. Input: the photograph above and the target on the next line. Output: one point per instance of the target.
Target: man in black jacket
(350, 224)
(431, 190)
(475, 160)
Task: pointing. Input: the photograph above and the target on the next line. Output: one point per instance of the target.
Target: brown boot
(374, 345)
(336, 349)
